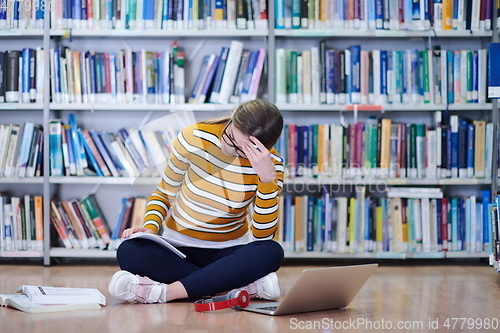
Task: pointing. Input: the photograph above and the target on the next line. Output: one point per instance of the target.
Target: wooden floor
(417, 297)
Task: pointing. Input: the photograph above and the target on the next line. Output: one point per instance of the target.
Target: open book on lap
(167, 243)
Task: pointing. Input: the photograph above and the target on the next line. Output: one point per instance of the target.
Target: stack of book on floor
(41, 299)
(408, 220)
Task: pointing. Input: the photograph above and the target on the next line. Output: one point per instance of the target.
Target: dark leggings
(204, 272)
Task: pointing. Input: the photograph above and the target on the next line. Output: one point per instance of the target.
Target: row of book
(234, 76)
(80, 223)
(129, 153)
(118, 77)
(23, 14)
(159, 14)
(22, 75)
(408, 220)
(21, 223)
(21, 150)
(453, 148)
(356, 76)
(385, 14)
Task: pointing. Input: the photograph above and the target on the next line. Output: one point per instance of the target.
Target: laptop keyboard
(268, 308)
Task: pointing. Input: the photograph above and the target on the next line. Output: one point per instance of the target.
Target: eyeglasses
(230, 142)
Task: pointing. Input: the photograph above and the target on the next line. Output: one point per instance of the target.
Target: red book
(107, 74)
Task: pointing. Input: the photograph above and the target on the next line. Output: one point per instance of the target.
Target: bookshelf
(270, 39)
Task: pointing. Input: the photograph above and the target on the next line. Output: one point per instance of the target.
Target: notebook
(319, 289)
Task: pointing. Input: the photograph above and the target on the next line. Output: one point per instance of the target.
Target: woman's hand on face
(260, 159)
(127, 232)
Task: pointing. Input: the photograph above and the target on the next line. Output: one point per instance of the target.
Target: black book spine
(322, 71)
(2, 77)
(32, 75)
(304, 13)
(342, 73)
(12, 76)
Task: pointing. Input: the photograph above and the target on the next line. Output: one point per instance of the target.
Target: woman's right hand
(127, 232)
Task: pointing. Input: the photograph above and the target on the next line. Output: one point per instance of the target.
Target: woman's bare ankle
(175, 291)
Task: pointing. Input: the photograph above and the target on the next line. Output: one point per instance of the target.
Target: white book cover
(4, 145)
(444, 76)
(342, 224)
(24, 150)
(426, 231)
(61, 295)
(315, 75)
(163, 241)
(376, 77)
(306, 77)
(482, 65)
(418, 223)
(281, 76)
(231, 70)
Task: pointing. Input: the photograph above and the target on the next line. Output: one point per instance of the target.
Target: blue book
(470, 150)
(112, 70)
(368, 225)
(291, 225)
(385, 222)
(90, 156)
(454, 146)
(104, 138)
(454, 15)
(296, 14)
(450, 57)
(379, 14)
(24, 149)
(383, 73)
(462, 148)
(78, 150)
(493, 70)
(115, 235)
(25, 75)
(305, 149)
(355, 74)
(198, 81)
(280, 14)
(311, 201)
(3, 15)
(77, 10)
(461, 224)
(148, 12)
(319, 225)
(55, 148)
(330, 76)
(467, 244)
(141, 165)
(439, 219)
(247, 78)
(104, 153)
(454, 224)
(475, 77)
(166, 13)
(486, 200)
(92, 74)
(214, 97)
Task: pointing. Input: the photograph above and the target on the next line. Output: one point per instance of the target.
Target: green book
(293, 89)
(469, 78)
(427, 91)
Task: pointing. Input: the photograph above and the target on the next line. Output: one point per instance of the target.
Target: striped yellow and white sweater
(213, 191)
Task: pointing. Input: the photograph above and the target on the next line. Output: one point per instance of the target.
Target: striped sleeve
(265, 214)
(159, 201)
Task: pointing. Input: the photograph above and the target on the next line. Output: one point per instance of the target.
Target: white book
(476, 10)
(444, 77)
(155, 151)
(281, 90)
(376, 77)
(300, 82)
(342, 224)
(438, 120)
(11, 159)
(433, 225)
(125, 158)
(315, 75)
(161, 240)
(431, 154)
(4, 145)
(482, 65)
(40, 74)
(488, 164)
(60, 295)
(418, 223)
(426, 231)
(231, 70)
(306, 77)
(21, 302)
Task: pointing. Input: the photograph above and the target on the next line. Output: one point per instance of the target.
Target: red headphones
(234, 298)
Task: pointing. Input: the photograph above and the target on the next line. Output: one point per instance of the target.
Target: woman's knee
(273, 251)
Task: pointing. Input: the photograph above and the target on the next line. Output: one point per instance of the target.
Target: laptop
(319, 289)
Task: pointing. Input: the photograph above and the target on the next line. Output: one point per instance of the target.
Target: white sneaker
(267, 288)
(129, 287)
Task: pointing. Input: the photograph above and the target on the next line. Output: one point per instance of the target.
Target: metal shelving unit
(270, 36)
